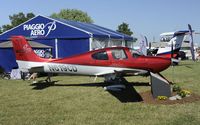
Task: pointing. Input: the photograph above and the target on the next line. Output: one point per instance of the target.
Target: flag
(143, 45)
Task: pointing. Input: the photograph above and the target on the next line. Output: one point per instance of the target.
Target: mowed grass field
(78, 100)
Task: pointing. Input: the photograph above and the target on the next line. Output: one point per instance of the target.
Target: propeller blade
(191, 42)
(172, 50)
(149, 45)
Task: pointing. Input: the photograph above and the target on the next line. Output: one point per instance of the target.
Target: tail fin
(177, 39)
(23, 50)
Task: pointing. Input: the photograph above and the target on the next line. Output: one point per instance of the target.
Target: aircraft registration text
(62, 68)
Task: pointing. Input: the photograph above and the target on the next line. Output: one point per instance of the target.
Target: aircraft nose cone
(164, 64)
(159, 64)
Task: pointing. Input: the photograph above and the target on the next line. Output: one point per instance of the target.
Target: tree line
(68, 14)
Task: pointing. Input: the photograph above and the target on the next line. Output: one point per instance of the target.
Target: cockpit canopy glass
(118, 54)
(135, 53)
(100, 55)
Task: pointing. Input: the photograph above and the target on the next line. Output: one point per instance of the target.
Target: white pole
(109, 41)
(123, 42)
(56, 47)
(90, 42)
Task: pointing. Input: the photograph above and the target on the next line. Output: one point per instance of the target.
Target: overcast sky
(147, 17)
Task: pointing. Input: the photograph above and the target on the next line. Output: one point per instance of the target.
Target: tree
(73, 14)
(1, 30)
(123, 28)
(17, 19)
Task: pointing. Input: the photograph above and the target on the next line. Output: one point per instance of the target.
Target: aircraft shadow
(129, 94)
(139, 83)
(185, 65)
(42, 85)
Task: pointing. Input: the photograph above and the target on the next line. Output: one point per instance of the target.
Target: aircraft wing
(124, 72)
(121, 71)
(36, 69)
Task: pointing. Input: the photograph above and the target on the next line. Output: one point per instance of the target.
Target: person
(48, 79)
(47, 54)
(33, 76)
(198, 56)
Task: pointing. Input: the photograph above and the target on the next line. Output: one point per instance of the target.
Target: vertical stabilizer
(23, 50)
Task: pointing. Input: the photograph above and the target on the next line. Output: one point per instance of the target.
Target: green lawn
(79, 100)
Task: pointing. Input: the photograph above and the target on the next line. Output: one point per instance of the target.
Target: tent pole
(90, 42)
(109, 41)
(123, 42)
(56, 47)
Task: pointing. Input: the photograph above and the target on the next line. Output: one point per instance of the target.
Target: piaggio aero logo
(40, 29)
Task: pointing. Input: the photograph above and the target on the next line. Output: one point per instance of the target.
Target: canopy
(95, 30)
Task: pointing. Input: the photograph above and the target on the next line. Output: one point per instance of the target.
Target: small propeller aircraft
(175, 42)
(108, 62)
(174, 45)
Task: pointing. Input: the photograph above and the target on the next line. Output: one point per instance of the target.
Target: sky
(145, 17)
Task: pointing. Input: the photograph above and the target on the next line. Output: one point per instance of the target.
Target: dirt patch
(148, 99)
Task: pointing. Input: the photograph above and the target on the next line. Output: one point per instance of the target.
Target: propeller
(191, 42)
(149, 45)
(172, 50)
(146, 41)
(174, 61)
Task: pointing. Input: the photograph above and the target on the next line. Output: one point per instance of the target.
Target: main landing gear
(48, 79)
(117, 83)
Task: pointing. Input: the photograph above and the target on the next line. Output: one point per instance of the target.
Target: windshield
(135, 53)
(118, 54)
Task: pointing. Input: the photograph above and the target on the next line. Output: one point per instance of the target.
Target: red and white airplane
(107, 62)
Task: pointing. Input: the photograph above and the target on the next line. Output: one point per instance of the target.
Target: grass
(72, 100)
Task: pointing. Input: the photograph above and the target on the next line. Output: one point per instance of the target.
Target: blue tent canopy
(96, 31)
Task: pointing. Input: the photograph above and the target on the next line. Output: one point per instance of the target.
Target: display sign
(40, 52)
